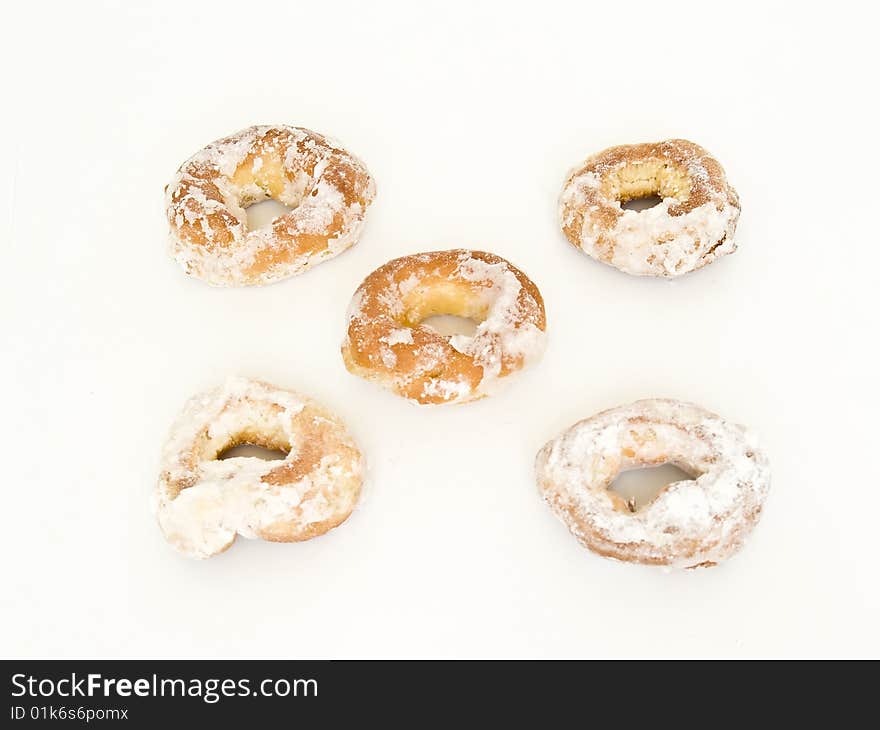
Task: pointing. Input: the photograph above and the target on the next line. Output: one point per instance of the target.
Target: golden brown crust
(386, 342)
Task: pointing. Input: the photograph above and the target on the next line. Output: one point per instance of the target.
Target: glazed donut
(386, 341)
(328, 189)
(203, 502)
(689, 524)
(691, 227)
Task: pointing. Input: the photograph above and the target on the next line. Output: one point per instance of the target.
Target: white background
(469, 116)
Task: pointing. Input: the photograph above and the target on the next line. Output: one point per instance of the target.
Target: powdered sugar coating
(328, 189)
(698, 522)
(692, 226)
(386, 342)
(202, 502)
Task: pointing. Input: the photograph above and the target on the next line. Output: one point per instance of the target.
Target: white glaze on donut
(690, 523)
(203, 502)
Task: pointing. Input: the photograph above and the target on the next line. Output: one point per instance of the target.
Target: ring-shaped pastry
(203, 502)
(327, 188)
(387, 342)
(692, 523)
(693, 224)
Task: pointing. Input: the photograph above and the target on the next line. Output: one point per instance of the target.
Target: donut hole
(641, 203)
(265, 191)
(252, 451)
(451, 325)
(639, 486)
(646, 180)
(262, 437)
(263, 213)
(447, 308)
